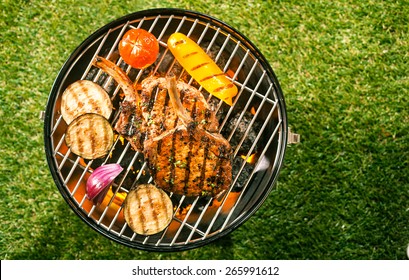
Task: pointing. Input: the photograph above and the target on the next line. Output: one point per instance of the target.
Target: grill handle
(293, 138)
(41, 115)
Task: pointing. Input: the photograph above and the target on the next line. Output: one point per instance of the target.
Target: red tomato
(139, 48)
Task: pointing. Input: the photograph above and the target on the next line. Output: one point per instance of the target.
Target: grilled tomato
(139, 48)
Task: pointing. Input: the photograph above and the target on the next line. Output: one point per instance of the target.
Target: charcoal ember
(169, 66)
(243, 175)
(101, 80)
(213, 52)
(243, 126)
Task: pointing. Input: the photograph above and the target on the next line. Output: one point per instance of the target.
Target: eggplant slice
(83, 97)
(148, 210)
(90, 136)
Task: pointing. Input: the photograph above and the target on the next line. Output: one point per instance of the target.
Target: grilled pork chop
(130, 123)
(154, 115)
(187, 159)
(176, 133)
(159, 113)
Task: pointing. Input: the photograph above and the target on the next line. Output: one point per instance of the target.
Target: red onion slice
(100, 180)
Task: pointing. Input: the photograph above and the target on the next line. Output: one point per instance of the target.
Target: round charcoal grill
(256, 127)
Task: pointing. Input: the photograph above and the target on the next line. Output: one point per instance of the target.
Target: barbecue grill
(255, 125)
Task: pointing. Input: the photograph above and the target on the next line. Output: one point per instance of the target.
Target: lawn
(343, 192)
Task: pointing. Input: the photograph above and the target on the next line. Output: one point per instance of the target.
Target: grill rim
(54, 94)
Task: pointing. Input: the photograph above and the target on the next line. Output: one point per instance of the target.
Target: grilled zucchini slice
(90, 136)
(83, 97)
(148, 209)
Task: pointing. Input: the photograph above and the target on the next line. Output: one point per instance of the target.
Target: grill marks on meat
(160, 115)
(149, 113)
(188, 159)
(174, 127)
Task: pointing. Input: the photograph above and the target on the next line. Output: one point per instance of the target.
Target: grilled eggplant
(147, 209)
(90, 136)
(83, 97)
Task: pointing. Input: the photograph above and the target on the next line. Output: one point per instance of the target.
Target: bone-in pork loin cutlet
(159, 113)
(150, 113)
(176, 131)
(130, 123)
(187, 159)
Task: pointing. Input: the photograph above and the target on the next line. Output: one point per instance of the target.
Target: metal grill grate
(255, 126)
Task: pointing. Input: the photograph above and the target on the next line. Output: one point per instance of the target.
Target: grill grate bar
(192, 28)
(65, 157)
(258, 94)
(57, 148)
(184, 221)
(251, 125)
(223, 47)
(72, 170)
(273, 135)
(165, 28)
(153, 24)
(122, 229)
(199, 219)
(189, 226)
(182, 22)
(241, 89)
(56, 126)
(114, 219)
(251, 150)
(245, 110)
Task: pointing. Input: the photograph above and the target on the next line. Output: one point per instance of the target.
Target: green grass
(343, 192)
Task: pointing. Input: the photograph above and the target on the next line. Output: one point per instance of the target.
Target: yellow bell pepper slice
(201, 67)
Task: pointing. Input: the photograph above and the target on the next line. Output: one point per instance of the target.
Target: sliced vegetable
(83, 97)
(201, 67)
(139, 48)
(148, 209)
(100, 180)
(90, 136)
